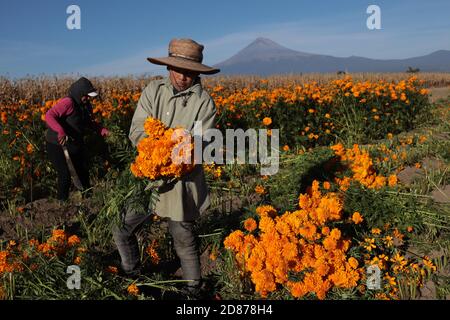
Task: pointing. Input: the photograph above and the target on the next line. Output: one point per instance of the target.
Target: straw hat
(185, 54)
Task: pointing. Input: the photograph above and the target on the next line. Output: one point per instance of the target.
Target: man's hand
(63, 140)
(167, 185)
(162, 185)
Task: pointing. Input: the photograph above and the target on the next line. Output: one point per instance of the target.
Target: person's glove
(62, 140)
(104, 132)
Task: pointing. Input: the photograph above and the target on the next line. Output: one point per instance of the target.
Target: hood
(80, 88)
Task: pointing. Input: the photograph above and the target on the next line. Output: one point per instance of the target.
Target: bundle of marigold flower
(18, 257)
(165, 153)
(10, 260)
(297, 243)
(361, 165)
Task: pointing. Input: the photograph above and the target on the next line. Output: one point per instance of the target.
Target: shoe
(192, 292)
(131, 274)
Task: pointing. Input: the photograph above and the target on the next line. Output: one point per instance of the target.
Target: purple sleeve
(63, 108)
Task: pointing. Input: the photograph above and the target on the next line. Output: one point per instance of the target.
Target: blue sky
(117, 36)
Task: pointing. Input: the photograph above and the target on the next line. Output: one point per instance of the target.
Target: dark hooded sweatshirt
(70, 116)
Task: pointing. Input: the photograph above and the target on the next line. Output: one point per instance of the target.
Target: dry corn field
(363, 185)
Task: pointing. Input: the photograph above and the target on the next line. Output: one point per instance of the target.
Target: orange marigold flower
(335, 234)
(234, 240)
(73, 241)
(112, 269)
(4, 117)
(298, 289)
(389, 241)
(58, 235)
(308, 231)
(250, 224)
(329, 243)
(376, 231)
(30, 148)
(325, 231)
(397, 234)
(264, 282)
(266, 211)
(266, 224)
(213, 254)
(153, 253)
(154, 127)
(33, 243)
(267, 121)
(260, 189)
(427, 263)
(392, 181)
(369, 244)
(133, 289)
(357, 218)
(353, 262)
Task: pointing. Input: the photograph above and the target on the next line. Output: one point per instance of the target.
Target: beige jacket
(188, 197)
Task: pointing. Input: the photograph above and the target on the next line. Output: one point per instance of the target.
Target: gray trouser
(181, 231)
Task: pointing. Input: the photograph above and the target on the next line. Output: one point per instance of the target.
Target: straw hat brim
(185, 64)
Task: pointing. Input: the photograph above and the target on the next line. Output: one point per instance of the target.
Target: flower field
(358, 210)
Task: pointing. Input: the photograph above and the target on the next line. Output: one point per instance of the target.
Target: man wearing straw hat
(178, 100)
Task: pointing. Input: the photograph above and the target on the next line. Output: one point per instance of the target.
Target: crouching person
(67, 122)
